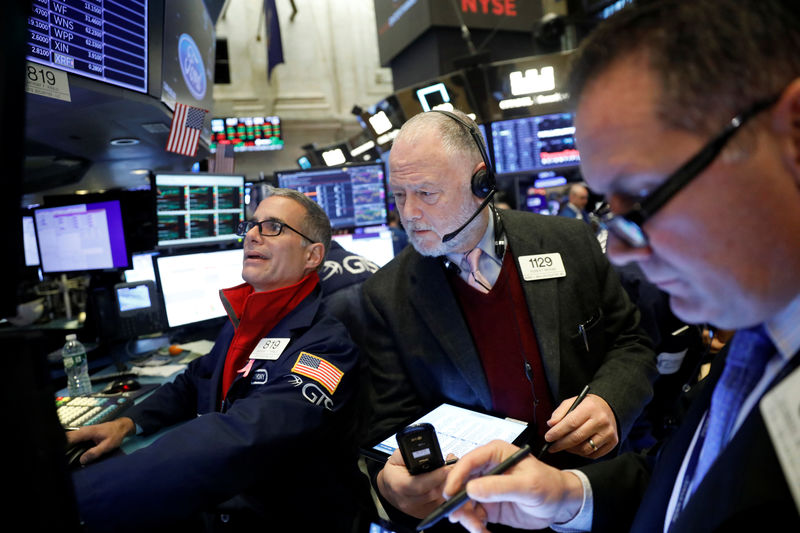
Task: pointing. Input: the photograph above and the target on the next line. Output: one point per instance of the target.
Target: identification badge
(46, 81)
(269, 349)
(780, 409)
(542, 266)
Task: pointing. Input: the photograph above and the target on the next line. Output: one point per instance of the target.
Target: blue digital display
(105, 41)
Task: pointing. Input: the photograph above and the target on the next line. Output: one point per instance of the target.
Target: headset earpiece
(482, 184)
(483, 181)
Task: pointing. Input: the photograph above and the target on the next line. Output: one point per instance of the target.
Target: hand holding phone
(420, 449)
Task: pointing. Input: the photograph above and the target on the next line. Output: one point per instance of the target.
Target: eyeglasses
(268, 228)
(628, 226)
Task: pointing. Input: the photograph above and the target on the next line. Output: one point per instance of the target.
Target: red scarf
(258, 313)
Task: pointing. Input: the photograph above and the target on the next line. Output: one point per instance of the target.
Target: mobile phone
(420, 448)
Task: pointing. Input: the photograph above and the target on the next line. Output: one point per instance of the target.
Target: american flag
(224, 159)
(187, 121)
(319, 370)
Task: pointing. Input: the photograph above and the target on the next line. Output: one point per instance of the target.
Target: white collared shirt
(489, 264)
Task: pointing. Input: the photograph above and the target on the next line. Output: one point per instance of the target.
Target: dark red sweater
(505, 340)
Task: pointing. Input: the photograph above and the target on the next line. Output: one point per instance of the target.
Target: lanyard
(688, 475)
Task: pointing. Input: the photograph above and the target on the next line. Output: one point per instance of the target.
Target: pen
(461, 497)
(572, 407)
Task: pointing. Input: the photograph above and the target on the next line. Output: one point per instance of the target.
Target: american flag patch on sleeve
(319, 370)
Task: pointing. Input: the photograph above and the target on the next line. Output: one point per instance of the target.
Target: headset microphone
(486, 200)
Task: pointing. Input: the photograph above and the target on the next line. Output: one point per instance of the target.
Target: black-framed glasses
(628, 226)
(268, 228)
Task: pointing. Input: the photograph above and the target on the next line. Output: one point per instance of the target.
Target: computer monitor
(81, 237)
(533, 144)
(352, 196)
(373, 244)
(190, 284)
(197, 209)
(29, 241)
(107, 43)
(138, 207)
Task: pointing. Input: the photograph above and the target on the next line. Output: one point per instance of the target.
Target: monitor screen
(532, 144)
(198, 208)
(138, 212)
(81, 237)
(190, 284)
(29, 241)
(105, 41)
(375, 245)
(352, 196)
(132, 296)
(247, 134)
(188, 53)
(143, 269)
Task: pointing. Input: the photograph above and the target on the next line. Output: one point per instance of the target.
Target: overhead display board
(527, 86)
(105, 41)
(401, 22)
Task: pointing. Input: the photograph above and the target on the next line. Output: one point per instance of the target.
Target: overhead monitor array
(246, 134)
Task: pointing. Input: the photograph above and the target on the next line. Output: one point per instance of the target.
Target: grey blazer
(421, 352)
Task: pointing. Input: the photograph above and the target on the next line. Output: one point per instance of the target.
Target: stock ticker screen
(352, 196)
(533, 144)
(105, 41)
(198, 208)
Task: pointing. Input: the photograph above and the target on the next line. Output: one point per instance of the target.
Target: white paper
(460, 430)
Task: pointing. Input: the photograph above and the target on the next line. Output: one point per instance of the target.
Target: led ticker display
(105, 41)
(532, 144)
(247, 134)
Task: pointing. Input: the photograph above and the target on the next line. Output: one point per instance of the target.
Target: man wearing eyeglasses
(701, 165)
(274, 392)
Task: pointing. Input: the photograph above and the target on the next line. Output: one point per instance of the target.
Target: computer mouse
(72, 454)
(122, 385)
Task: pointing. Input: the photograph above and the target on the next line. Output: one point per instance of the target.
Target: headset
(483, 181)
(483, 184)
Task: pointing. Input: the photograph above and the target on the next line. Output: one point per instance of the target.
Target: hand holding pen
(584, 425)
(529, 495)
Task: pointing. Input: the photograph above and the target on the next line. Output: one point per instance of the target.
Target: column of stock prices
(103, 40)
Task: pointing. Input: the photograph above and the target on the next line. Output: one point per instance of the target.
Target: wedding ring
(593, 445)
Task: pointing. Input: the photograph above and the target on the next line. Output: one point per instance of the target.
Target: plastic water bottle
(76, 367)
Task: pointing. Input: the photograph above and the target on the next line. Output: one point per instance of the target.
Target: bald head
(579, 196)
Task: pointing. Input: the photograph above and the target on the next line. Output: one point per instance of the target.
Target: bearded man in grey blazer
(504, 312)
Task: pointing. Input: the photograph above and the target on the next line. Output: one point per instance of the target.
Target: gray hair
(714, 59)
(315, 224)
(456, 139)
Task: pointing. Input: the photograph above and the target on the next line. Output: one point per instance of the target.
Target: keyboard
(74, 412)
